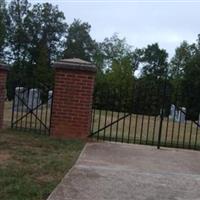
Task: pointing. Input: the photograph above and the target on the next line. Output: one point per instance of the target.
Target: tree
(116, 63)
(18, 42)
(191, 82)
(184, 75)
(34, 32)
(114, 88)
(115, 49)
(79, 43)
(121, 80)
(191, 87)
(183, 54)
(18, 37)
(46, 30)
(149, 86)
(44, 74)
(45, 23)
(2, 29)
(154, 61)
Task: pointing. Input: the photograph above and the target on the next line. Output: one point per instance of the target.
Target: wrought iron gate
(31, 110)
(152, 114)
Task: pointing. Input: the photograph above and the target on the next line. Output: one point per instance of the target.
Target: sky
(143, 22)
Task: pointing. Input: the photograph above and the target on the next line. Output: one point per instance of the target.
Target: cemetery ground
(143, 129)
(32, 165)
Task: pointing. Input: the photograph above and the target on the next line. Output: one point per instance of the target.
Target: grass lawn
(7, 113)
(32, 165)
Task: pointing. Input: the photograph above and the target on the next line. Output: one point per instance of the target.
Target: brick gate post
(3, 77)
(72, 98)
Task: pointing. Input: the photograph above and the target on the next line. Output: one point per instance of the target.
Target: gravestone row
(29, 99)
(177, 114)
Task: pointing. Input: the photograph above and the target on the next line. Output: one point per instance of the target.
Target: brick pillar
(3, 77)
(72, 98)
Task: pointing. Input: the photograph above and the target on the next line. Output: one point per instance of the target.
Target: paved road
(110, 171)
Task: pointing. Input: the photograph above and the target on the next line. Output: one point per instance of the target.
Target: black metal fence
(31, 110)
(154, 113)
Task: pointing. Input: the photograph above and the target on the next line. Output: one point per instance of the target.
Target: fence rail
(155, 116)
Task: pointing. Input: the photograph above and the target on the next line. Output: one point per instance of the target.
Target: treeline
(32, 37)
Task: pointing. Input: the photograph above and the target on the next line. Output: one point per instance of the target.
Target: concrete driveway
(110, 171)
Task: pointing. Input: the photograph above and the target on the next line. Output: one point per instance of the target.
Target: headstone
(172, 112)
(34, 98)
(20, 99)
(182, 114)
(177, 115)
(50, 94)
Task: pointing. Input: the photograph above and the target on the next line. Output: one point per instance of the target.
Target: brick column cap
(75, 64)
(4, 67)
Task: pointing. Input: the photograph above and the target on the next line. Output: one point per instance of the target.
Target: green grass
(32, 165)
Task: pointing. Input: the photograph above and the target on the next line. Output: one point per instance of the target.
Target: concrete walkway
(108, 171)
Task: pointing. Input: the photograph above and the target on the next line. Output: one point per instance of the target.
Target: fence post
(162, 113)
(3, 77)
(72, 98)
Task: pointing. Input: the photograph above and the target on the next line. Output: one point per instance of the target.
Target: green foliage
(45, 23)
(150, 94)
(116, 63)
(154, 61)
(184, 75)
(43, 71)
(17, 33)
(178, 63)
(36, 39)
(79, 43)
(115, 49)
(191, 87)
(121, 79)
(2, 28)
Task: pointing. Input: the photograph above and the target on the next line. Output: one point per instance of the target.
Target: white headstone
(50, 94)
(182, 114)
(172, 112)
(176, 114)
(20, 99)
(34, 98)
